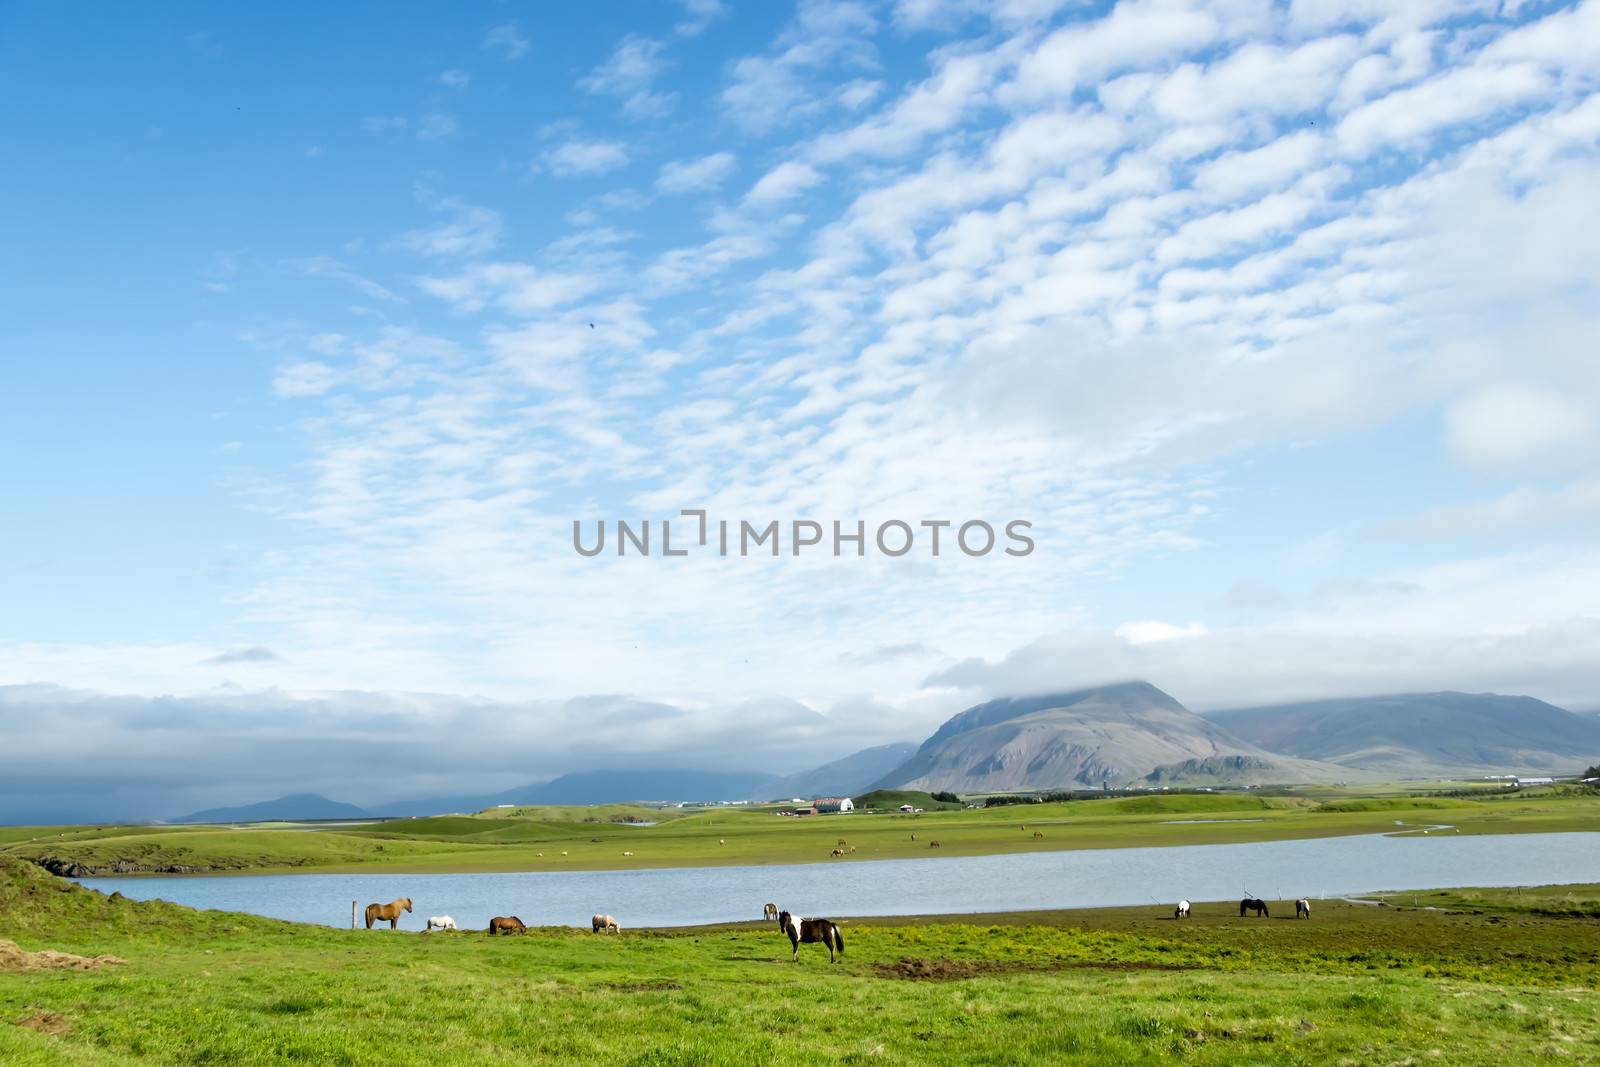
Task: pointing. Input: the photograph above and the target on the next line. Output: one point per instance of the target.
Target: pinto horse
(389, 913)
(506, 924)
(810, 931)
(1254, 904)
(1182, 911)
(770, 911)
(1302, 908)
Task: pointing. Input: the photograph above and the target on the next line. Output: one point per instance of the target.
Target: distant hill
(890, 799)
(297, 808)
(844, 777)
(611, 787)
(1112, 734)
(1424, 734)
(600, 787)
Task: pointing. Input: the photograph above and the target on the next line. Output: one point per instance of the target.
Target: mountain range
(1124, 735)
(301, 807)
(1424, 734)
(1114, 735)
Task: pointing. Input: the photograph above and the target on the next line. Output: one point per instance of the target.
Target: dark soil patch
(45, 1022)
(15, 958)
(640, 987)
(918, 969)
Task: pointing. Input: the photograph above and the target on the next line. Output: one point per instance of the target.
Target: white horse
(605, 924)
(441, 922)
(1302, 908)
(1182, 911)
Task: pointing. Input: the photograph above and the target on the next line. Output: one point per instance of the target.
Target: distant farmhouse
(832, 805)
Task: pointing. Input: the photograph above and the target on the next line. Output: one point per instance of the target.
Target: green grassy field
(1356, 985)
(589, 839)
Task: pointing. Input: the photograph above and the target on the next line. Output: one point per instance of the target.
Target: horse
(606, 924)
(809, 931)
(933, 844)
(843, 842)
(1254, 904)
(506, 924)
(1302, 908)
(390, 912)
(852, 848)
(769, 912)
(1182, 911)
(838, 852)
(441, 922)
(1038, 835)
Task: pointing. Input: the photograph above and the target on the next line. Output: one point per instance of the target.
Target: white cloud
(433, 127)
(471, 231)
(1149, 632)
(697, 15)
(1272, 166)
(778, 88)
(305, 378)
(1515, 425)
(453, 79)
(695, 175)
(507, 40)
(784, 182)
(585, 158)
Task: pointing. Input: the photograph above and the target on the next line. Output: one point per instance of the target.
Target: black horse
(1253, 904)
(810, 931)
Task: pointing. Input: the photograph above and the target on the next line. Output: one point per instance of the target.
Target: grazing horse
(606, 924)
(390, 912)
(933, 844)
(441, 922)
(1038, 835)
(1253, 904)
(506, 924)
(769, 912)
(838, 852)
(808, 931)
(1302, 908)
(1182, 911)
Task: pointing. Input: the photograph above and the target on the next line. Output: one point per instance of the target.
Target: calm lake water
(1335, 866)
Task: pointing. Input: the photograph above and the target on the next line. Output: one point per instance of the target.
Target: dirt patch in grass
(640, 987)
(45, 1022)
(15, 958)
(919, 969)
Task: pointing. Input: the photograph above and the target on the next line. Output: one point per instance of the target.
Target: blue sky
(1276, 320)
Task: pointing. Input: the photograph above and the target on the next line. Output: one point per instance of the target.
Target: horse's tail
(838, 938)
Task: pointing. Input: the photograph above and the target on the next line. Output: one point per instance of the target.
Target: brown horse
(389, 912)
(933, 844)
(1038, 835)
(506, 924)
(811, 931)
(769, 912)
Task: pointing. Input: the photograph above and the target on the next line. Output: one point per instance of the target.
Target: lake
(1333, 866)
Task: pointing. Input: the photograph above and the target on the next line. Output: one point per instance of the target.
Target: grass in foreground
(1356, 985)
